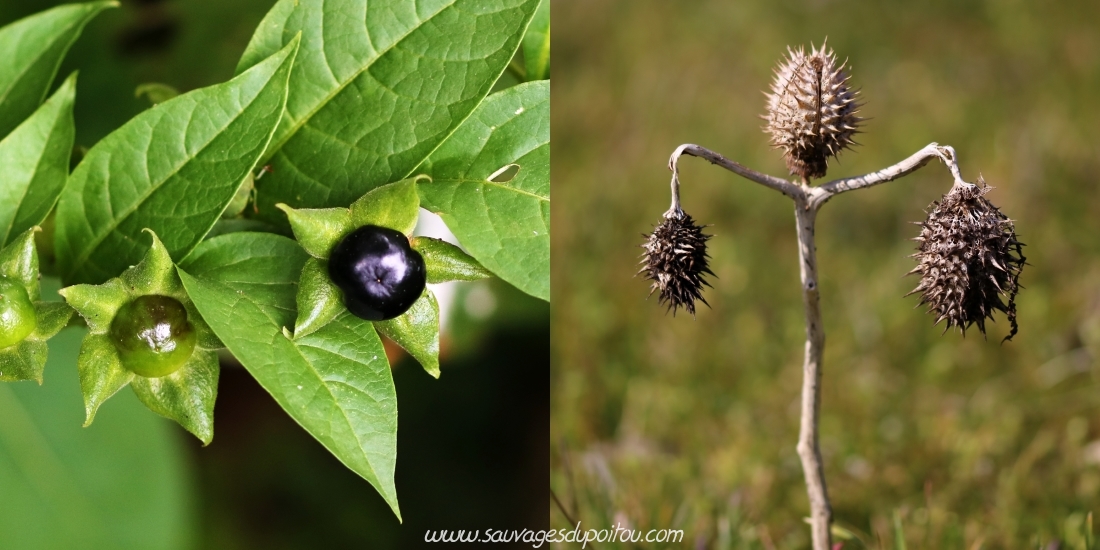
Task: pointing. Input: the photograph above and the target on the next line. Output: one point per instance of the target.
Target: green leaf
(35, 161)
(23, 361)
(417, 331)
(318, 229)
(376, 90)
(319, 301)
(187, 395)
(33, 49)
(156, 92)
(262, 266)
(101, 373)
(354, 409)
(396, 206)
(97, 304)
(19, 261)
(173, 168)
(123, 483)
(447, 262)
(27, 359)
(505, 225)
(240, 200)
(899, 532)
(536, 44)
(52, 317)
(237, 225)
(335, 382)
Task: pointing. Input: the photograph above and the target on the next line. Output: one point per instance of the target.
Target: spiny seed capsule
(153, 336)
(17, 316)
(675, 259)
(968, 259)
(378, 271)
(811, 110)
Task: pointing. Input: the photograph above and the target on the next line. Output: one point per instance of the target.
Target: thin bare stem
(781, 185)
(675, 208)
(809, 451)
(807, 201)
(946, 153)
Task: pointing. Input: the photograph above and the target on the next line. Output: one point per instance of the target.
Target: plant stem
(809, 451)
(946, 153)
(778, 184)
(807, 201)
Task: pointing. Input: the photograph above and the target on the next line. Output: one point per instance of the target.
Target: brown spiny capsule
(675, 260)
(811, 110)
(969, 259)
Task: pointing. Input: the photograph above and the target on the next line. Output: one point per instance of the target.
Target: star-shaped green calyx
(26, 322)
(396, 206)
(105, 364)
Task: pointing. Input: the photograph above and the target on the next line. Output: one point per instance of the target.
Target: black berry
(378, 271)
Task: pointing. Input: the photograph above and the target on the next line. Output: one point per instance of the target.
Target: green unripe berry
(153, 336)
(17, 317)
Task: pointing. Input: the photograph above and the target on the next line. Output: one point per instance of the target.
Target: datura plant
(969, 258)
(173, 234)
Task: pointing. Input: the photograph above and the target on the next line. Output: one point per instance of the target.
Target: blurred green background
(472, 451)
(931, 441)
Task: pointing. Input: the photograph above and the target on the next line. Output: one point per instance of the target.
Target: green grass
(930, 441)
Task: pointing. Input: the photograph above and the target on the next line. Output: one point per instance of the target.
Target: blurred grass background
(929, 441)
(472, 450)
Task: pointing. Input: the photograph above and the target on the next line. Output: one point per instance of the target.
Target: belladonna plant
(968, 259)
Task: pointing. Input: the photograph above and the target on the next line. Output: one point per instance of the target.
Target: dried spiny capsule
(811, 110)
(969, 258)
(675, 260)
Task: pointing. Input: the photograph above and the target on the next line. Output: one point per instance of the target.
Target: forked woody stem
(808, 200)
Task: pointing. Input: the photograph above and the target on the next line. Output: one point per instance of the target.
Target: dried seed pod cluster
(675, 260)
(968, 259)
(811, 110)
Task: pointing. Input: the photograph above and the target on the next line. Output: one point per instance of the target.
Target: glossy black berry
(153, 336)
(378, 271)
(17, 317)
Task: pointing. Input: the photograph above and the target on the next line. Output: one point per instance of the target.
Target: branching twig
(808, 201)
(946, 153)
(779, 184)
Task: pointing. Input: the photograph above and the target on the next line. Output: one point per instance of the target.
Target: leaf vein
(342, 85)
